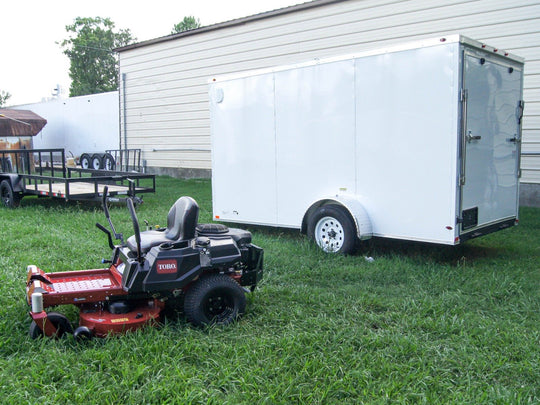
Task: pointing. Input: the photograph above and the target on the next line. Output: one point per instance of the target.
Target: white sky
(32, 63)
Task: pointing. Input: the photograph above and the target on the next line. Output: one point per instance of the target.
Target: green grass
(420, 324)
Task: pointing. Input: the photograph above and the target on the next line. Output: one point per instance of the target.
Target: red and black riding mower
(204, 268)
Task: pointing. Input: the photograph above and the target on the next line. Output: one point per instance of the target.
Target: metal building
(164, 86)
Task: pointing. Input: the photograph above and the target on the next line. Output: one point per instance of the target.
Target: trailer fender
(14, 179)
(353, 207)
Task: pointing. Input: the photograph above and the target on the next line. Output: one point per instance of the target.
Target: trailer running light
(449, 228)
(456, 240)
(217, 216)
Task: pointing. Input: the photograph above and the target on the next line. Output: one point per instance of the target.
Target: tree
(4, 97)
(89, 47)
(188, 23)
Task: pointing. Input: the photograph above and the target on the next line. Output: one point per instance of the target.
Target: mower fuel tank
(223, 251)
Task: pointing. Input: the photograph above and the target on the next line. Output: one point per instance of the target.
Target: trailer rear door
(490, 144)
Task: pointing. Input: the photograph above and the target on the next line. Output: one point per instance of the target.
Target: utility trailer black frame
(43, 172)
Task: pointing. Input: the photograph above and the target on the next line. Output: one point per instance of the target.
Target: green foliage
(4, 97)
(420, 324)
(188, 23)
(89, 47)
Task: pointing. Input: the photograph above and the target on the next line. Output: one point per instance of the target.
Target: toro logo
(166, 266)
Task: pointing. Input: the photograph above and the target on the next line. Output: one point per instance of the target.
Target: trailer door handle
(515, 139)
(471, 138)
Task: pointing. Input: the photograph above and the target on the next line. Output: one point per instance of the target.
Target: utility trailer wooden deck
(43, 172)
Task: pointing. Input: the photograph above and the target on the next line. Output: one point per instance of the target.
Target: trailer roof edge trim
(456, 38)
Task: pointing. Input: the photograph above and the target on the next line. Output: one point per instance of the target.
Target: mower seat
(181, 222)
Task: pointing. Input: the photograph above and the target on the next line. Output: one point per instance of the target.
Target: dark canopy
(20, 123)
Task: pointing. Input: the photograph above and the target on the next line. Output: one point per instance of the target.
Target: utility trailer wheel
(10, 198)
(214, 300)
(60, 322)
(108, 162)
(85, 161)
(97, 161)
(333, 229)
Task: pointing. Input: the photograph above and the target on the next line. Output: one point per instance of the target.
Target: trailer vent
(470, 218)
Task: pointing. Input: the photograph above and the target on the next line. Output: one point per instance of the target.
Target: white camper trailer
(418, 142)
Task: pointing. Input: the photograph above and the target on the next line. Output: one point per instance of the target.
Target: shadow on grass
(377, 247)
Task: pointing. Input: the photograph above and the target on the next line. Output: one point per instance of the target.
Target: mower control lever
(109, 237)
(117, 236)
(136, 229)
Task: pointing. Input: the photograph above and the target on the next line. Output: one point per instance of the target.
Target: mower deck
(74, 287)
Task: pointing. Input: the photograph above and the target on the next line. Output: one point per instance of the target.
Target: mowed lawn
(418, 324)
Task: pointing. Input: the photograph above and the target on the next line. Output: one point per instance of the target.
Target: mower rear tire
(60, 322)
(214, 300)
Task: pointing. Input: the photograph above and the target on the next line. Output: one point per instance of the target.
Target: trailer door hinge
(463, 95)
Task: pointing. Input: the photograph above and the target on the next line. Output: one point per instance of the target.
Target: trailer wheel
(108, 162)
(97, 161)
(85, 161)
(10, 198)
(333, 229)
(214, 300)
(60, 322)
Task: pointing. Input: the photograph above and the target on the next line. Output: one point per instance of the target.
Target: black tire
(10, 198)
(85, 161)
(60, 322)
(214, 300)
(333, 229)
(82, 334)
(96, 161)
(108, 162)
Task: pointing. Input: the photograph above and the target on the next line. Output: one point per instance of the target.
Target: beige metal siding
(166, 82)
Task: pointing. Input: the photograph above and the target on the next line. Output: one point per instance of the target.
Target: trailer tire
(10, 198)
(97, 161)
(85, 161)
(333, 229)
(214, 300)
(108, 162)
(60, 322)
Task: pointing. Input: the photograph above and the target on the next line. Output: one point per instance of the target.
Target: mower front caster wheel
(82, 334)
(214, 300)
(60, 322)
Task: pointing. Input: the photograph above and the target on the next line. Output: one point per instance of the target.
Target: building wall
(78, 124)
(166, 80)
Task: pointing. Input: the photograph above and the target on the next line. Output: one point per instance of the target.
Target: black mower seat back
(181, 223)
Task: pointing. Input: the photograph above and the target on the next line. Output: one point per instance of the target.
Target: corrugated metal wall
(167, 113)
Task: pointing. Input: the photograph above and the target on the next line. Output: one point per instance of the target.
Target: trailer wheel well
(319, 204)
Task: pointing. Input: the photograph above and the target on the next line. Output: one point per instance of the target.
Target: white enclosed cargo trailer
(418, 142)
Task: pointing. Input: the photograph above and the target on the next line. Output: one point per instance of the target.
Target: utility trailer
(43, 172)
(418, 142)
